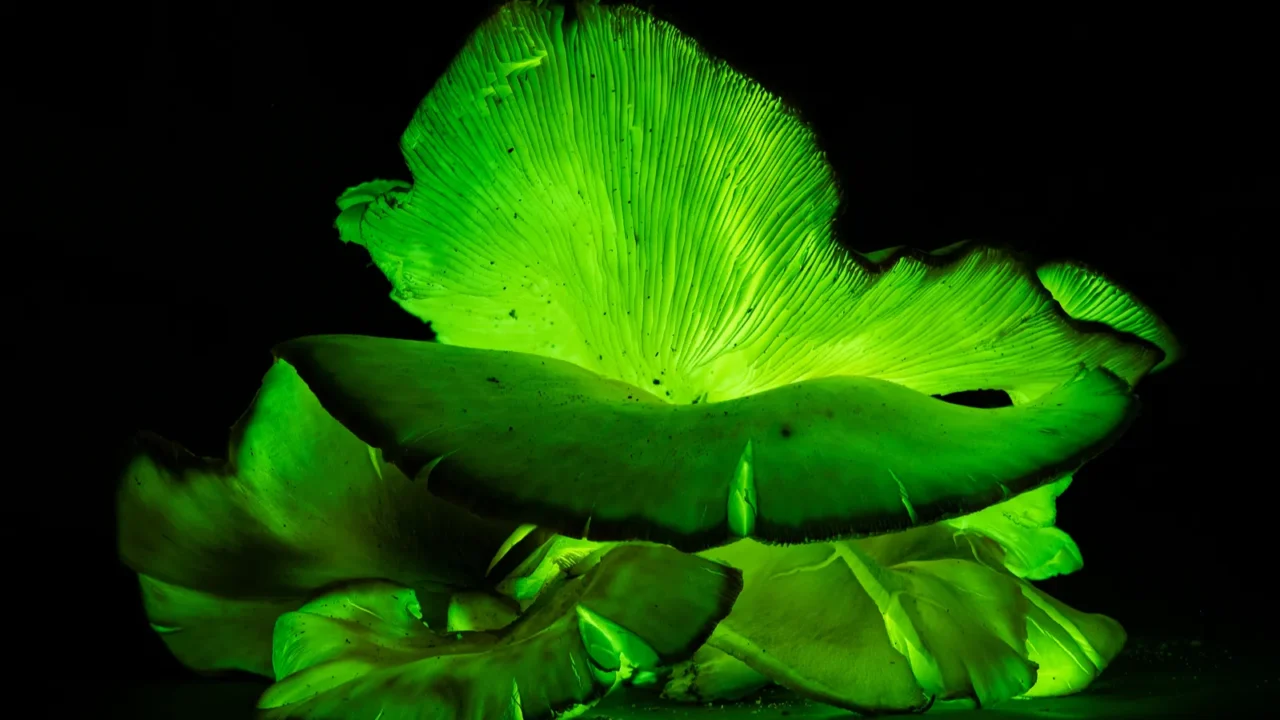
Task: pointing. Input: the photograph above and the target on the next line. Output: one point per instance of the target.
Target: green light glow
(948, 622)
(712, 674)
(647, 335)
(360, 650)
(298, 505)
(605, 193)
(472, 611)
(210, 632)
(830, 457)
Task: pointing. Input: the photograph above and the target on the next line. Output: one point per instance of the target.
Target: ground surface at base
(1149, 680)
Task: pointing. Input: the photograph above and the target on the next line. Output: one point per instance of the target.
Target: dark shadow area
(982, 399)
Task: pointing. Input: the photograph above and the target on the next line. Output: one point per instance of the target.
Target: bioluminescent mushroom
(672, 434)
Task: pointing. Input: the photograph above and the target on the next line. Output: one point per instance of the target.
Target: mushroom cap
(594, 187)
(530, 439)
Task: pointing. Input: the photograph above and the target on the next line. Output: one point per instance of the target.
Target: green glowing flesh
(800, 612)
(1031, 547)
(1070, 647)
(673, 609)
(373, 620)
(605, 193)
(941, 620)
(1089, 295)
(210, 633)
(647, 333)
(478, 610)
(361, 650)
(960, 624)
(712, 674)
(1018, 534)
(542, 441)
(787, 629)
(559, 558)
(299, 503)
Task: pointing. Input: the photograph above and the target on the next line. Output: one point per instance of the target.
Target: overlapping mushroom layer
(647, 335)
(305, 511)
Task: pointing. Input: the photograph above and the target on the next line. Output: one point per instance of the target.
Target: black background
(176, 219)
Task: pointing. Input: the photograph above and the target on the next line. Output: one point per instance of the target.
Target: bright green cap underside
(541, 441)
(1090, 295)
(601, 191)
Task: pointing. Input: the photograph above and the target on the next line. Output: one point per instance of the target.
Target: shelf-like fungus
(672, 433)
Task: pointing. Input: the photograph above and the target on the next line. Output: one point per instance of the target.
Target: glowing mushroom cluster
(672, 435)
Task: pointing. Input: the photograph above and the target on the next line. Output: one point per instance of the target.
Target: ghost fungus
(560, 446)
(665, 221)
(300, 503)
(362, 650)
(552, 563)
(804, 606)
(712, 675)
(948, 623)
(805, 642)
(1089, 295)
(210, 632)
(648, 332)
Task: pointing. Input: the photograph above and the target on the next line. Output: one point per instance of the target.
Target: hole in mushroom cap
(983, 399)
